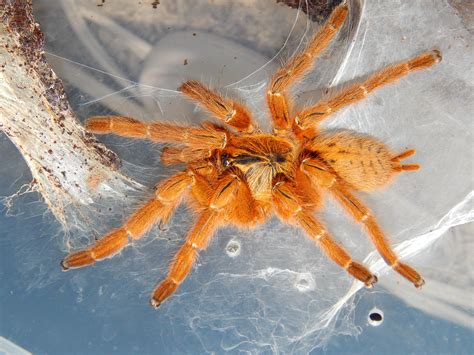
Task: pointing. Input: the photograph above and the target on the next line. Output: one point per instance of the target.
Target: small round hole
(304, 282)
(233, 248)
(375, 317)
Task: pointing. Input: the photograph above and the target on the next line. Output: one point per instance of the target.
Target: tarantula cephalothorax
(237, 175)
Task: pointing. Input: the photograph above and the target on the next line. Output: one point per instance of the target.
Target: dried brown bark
(69, 167)
(317, 10)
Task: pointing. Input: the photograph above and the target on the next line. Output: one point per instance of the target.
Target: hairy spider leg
(206, 137)
(167, 196)
(290, 207)
(200, 234)
(278, 100)
(226, 110)
(183, 155)
(363, 215)
(197, 239)
(324, 174)
(311, 116)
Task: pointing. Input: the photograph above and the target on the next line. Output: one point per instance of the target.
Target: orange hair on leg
(199, 235)
(167, 197)
(228, 111)
(197, 239)
(363, 215)
(180, 155)
(316, 231)
(206, 137)
(313, 115)
(290, 207)
(277, 100)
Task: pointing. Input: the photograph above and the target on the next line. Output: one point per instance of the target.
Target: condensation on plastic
(268, 289)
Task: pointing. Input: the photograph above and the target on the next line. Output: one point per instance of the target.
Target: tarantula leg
(315, 230)
(290, 207)
(198, 237)
(228, 111)
(196, 137)
(167, 197)
(363, 215)
(280, 107)
(180, 155)
(313, 115)
(298, 65)
(302, 62)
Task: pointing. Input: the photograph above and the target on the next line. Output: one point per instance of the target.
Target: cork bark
(69, 167)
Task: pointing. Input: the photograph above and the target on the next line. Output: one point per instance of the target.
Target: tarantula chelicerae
(237, 175)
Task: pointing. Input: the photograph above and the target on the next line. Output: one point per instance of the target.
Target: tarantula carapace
(237, 175)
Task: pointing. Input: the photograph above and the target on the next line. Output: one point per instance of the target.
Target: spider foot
(420, 283)
(437, 55)
(409, 273)
(64, 267)
(154, 303)
(76, 260)
(162, 292)
(361, 273)
(371, 281)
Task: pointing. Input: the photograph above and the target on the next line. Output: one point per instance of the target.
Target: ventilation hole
(375, 317)
(233, 248)
(302, 285)
(304, 282)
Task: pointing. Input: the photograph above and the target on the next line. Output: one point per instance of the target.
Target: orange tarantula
(237, 175)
